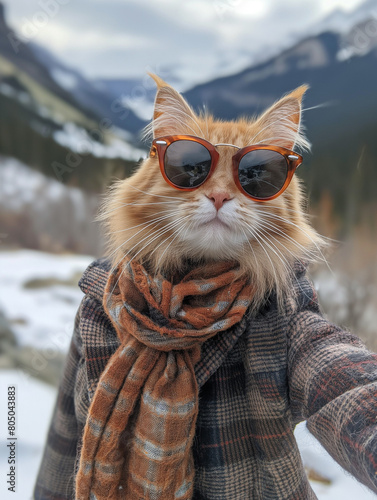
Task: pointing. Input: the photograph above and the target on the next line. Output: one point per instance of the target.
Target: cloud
(198, 37)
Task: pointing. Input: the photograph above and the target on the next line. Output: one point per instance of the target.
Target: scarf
(138, 437)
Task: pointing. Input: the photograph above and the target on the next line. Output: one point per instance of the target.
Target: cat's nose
(218, 199)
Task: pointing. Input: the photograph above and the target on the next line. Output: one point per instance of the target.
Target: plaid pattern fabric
(256, 381)
(141, 424)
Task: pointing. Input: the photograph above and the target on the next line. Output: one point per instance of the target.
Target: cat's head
(150, 220)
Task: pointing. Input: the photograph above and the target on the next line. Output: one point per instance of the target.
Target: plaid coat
(257, 381)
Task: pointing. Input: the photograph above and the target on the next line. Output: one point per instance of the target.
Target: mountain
(138, 94)
(18, 61)
(315, 60)
(88, 95)
(54, 120)
(346, 89)
(342, 21)
(343, 128)
(54, 85)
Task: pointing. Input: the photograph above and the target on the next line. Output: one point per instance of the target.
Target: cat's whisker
(291, 223)
(104, 215)
(273, 216)
(153, 238)
(153, 203)
(286, 221)
(176, 233)
(282, 219)
(275, 250)
(291, 271)
(160, 213)
(147, 223)
(286, 265)
(251, 248)
(129, 239)
(277, 207)
(305, 251)
(267, 236)
(254, 234)
(159, 231)
(158, 195)
(257, 205)
(174, 211)
(156, 234)
(188, 228)
(153, 223)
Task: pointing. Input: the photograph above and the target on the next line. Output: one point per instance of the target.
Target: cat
(206, 409)
(165, 228)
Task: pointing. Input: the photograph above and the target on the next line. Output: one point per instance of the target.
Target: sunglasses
(260, 172)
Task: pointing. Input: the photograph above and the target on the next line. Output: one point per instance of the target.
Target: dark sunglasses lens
(187, 163)
(262, 173)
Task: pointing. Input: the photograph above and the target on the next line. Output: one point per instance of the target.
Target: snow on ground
(42, 316)
(48, 314)
(34, 404)
(343, 486)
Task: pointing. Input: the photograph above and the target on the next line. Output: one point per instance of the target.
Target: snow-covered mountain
(138, 93)
(340, 116)
(97, 99)
(342, 21)
(51, 94)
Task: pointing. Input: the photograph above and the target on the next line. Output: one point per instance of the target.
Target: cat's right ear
(172, 115)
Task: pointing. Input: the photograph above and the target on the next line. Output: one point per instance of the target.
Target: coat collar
(214, 351)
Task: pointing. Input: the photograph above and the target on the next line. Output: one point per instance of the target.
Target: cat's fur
(149, 220)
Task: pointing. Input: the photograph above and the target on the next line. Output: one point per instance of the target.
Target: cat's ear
(281, 124)
(172, 115)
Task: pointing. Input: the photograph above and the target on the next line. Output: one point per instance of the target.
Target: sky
(194, 39)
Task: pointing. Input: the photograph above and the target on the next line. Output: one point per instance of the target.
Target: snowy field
(42, 315)
(38, 295)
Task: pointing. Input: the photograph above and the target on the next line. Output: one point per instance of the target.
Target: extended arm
(333, 385)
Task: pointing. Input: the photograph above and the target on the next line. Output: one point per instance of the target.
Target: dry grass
(348, 293)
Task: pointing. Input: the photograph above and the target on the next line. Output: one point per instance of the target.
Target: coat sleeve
(57, 470)
(333, 385)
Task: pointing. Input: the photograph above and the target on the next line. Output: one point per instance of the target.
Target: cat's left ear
(172, 115)
(281, 124)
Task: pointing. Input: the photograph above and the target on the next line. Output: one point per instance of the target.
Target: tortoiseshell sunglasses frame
(161, 144)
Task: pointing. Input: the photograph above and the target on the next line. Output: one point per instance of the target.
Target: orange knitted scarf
(141, 423)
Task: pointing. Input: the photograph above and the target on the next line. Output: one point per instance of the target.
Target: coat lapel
(101, 343)
(215, 350)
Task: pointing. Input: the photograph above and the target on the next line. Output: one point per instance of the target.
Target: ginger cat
(169, 229)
